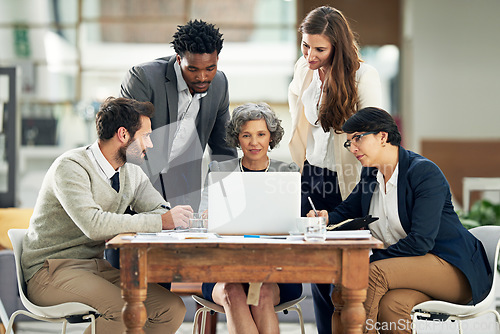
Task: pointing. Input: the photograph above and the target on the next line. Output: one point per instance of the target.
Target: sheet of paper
(253, 295)
(214, 237)
(254, 239)
(173, 236)
(205, 237)
(357, 234)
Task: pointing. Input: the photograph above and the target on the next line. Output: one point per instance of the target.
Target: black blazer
(428, 218)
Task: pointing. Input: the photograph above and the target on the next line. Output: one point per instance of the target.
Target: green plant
(482, 212)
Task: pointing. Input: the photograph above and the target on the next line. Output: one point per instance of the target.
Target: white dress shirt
(101, 164)
(319, 150)
(384, 205)
(188, 108)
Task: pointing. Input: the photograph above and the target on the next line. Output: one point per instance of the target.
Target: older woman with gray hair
(253, 112)
(255, 129)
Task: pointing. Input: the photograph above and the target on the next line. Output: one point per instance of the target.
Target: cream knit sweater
(77, 210)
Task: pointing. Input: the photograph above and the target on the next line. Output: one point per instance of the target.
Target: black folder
(352, 224)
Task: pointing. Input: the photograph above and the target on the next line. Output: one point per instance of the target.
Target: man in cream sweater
(82, 203)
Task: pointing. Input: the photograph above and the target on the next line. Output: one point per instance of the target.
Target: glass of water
(198, 223)
(315, 229)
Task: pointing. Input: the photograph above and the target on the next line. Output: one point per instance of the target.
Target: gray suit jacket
(156, 82)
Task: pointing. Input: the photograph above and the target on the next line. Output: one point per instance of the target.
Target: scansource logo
(483, 325)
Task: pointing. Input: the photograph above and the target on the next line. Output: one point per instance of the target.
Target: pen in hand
(312, 205)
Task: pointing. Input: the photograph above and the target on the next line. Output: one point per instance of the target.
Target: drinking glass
(315, 229)
(198, 223)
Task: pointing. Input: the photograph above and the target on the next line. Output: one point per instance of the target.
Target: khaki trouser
(396, 285)
(96, 283)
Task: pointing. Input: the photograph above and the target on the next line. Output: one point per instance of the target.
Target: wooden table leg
(348, 299)
(133, 266)
(210, 323)
(338, 303)
(353, 314)
(211, 327)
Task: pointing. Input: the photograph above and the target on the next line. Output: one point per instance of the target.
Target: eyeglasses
(356, 139)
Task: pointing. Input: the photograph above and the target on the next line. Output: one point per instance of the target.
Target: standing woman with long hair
(330, 84)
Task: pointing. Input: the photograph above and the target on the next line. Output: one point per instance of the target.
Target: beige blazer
(347, 166)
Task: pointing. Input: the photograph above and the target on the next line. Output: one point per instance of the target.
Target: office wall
(374, 22)
(450, 70)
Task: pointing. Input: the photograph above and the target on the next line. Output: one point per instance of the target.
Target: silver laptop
(253, 203)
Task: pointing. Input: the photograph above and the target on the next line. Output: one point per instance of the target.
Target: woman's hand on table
(321, 213)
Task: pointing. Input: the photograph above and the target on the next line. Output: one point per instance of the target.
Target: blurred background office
(436, 59)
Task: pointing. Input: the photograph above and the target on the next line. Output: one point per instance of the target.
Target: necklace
(267, 168)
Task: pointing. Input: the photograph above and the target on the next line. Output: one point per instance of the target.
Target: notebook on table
(253, 203)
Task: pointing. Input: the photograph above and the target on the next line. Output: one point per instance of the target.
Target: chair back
(489, 236)
(16, 238)
(435, 309)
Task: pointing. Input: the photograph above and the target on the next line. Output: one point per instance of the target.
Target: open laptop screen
(253, 203)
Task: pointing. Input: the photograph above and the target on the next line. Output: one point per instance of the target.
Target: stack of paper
(357, 234)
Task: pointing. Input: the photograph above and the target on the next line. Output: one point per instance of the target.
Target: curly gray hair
(249, 112)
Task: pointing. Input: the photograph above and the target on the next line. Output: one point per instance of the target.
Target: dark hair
(250, 112)
(341, 93)
(373, 119)
(117, 112)
(197, 37)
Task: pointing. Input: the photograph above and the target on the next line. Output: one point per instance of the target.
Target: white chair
(208, 306)
(439, 310)
(71, 312)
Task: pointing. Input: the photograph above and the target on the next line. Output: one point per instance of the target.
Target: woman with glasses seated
(255, 129)
(428, 254)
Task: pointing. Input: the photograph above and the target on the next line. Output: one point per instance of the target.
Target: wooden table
(342, 262)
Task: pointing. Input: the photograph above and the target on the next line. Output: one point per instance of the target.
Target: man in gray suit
(190, 96)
